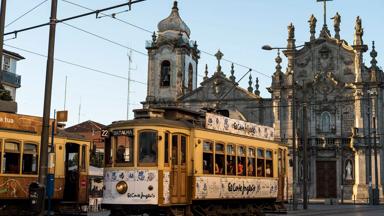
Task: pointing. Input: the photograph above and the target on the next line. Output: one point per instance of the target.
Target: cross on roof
(325, 10)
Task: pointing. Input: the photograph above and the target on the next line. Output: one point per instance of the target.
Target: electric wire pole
(2, 22)
(47, 102)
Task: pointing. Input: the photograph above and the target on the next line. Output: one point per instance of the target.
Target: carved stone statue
(336, 20)
(312, 23)
(336, 24)
(358, 26)
(348, 170)
(291, 31)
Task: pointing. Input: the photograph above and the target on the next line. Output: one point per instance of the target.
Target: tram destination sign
(234, 126)
(123, 132)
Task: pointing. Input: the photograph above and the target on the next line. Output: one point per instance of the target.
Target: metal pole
(341, 158)
(47, 101)
(305, 156)
(369, 152)
(294, 158)
(2, 21)
(376, 191)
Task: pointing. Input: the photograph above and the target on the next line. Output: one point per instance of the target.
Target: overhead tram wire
(104, 38)
(29, 11)
(109, 40)
(75, 17)
(77, 65)
(108, 15)
(150, 32)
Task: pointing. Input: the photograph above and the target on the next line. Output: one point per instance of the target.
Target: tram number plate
(124, 132)
(104, 133)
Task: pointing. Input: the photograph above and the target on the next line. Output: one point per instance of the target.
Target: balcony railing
(11, 79)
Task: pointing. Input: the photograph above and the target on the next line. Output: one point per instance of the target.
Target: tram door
(179, 169)
(71, 172)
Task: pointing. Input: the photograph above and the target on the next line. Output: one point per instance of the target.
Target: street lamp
(294, 157)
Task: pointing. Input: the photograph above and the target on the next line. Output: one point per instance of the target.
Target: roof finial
(312, 26)
(336, 25)
(250, 89)
(175, 6)
(206, 72)
(373, 55)
(219, 55)
(154, 38)
(278, 61)
(257, 92)
(232, 77)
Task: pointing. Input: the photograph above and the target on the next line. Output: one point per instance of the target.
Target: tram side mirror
(36, 196)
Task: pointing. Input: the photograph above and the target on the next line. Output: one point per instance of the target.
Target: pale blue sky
(238, 28)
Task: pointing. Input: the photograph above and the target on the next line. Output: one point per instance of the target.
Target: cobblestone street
(333, 210)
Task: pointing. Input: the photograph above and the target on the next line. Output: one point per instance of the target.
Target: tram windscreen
(148, 147)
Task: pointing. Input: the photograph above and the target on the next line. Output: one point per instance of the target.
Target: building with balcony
(9, 81)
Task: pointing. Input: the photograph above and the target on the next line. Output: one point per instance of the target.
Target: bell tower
(172, 62)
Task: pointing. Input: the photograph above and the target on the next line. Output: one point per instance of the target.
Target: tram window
(241, 161)
(231, 160)
(251, 162)
(260, 163)
(269, 164)
(108, 152)
(83, 159)
(124, 149)
(207, 158)
(30, 158)
(148, 147)
(166, 148)
(11, 157)
(219, 159)
(280, 163)
(183, 149)
(175, 155)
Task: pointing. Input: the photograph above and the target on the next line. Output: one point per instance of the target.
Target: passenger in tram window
(230, 167)
(250, 168)
(240, 168)
(268, 170)
(218, 167)
(120, 154)
(207, 167)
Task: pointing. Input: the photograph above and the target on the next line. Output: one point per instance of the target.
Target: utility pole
(47, 102)
(2, 22)
(376, 191)
(305, 147)
(341, 157)
(294, 149)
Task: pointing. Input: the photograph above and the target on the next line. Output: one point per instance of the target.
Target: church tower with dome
(172, 61)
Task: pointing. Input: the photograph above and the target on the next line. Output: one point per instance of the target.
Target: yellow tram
(175, 162)
(19, 161)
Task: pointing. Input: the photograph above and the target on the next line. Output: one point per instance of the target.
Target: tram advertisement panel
(229, 188)
(130, 187)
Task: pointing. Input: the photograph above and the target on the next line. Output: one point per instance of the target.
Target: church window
(190, 77)
(165, 73)
(325, 122)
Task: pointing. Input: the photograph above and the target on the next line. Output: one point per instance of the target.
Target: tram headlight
(121, 187)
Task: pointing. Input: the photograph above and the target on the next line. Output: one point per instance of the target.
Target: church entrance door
(326, 179)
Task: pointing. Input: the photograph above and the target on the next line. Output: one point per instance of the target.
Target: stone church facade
(343, 98)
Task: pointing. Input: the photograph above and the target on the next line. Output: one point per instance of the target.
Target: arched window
(165, 74)
(325, 122)
(190, 77)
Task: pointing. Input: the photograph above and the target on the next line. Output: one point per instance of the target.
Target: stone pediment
(218, 87)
